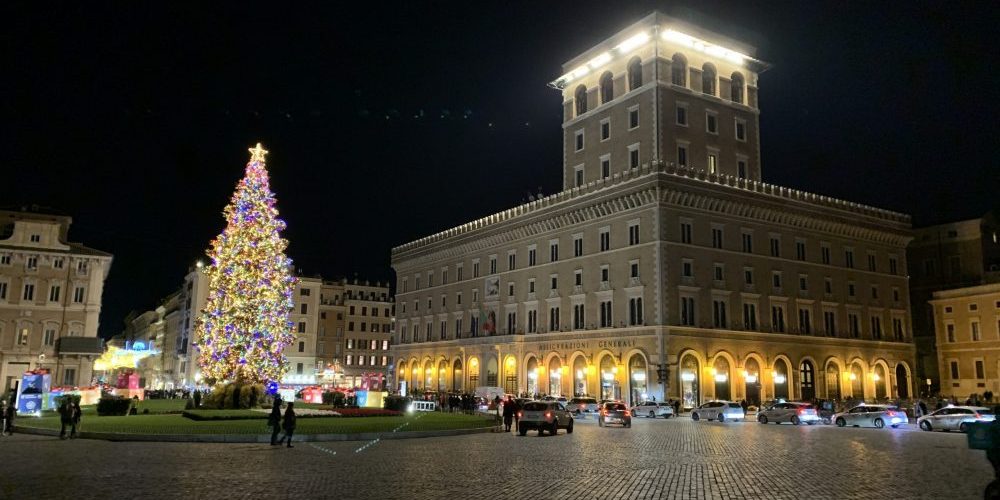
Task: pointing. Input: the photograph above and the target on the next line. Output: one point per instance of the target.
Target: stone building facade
(649, 276)
(50, 299)
(967, 332)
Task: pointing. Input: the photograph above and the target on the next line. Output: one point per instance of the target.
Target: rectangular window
(3, 290)
(871, 262)
(475, 269)
(897, 328)
(635, 311)
(579, 322)
(805, 322)
(776, 279)
(54, 293)
(854, 325)
(686, 232)
(458, 274)
(493, 265)
(634, 270)
(605, 129)
(22, 337)
(302, 346)
(849, 258)
(69, 376)
(553, 251)
(633, 156)
(851, 289)
(778, 319)
(606, 321)
(304, 308)
(298, 368)
(874, 292)
(302, 327)
(687, 311)
(893, 265)
(682, 156)
(741, 169)
(532, 321)
(510, 289)
(713, 163)
(578, 176)
(687, 268)
(750, 316)
(511, 261)
(633, 118)
(605, 274)
(49, 337)
(803, 283)
(748, 275)
(682, 114)
(954, 370)
(633, 234)
(605, 167)
(58, 263)
(800, 250)
(825, 254)
(950, 332)
(974, 329)
(579, 140)
(32, 263)
(531, 285)
(29, 292)
(718, 272)
(775, 247)
(980, 372)
(304, 292)
(5, 260)
(830, 323)
(511, 323)
(716, 237)
(876, 327)
(578, 278)
(741, 130)
(719, 314)
(532, 256)
(577, 246)
(605, 237)
(747, 242)
(711, 123)
(828, 286)
(554, 319)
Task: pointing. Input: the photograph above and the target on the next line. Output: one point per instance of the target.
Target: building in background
(944, 257)
(336, 323)
(665, 267)
(50, 299)
(967, 332)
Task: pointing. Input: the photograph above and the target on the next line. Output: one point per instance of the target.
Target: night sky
(393, 121)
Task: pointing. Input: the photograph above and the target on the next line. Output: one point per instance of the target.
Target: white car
(718, 410)
(582, 405)
(796, 413)
(877, 416)
(653, 409)
(544, 416)
(955, 418)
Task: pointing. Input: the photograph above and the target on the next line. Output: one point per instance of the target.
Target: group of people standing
(69, 416)
(511, 413)
(279, 423)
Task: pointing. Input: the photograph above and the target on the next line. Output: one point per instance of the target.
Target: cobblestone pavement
(674, 458)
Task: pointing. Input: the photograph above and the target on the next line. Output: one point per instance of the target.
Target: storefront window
(690, 395)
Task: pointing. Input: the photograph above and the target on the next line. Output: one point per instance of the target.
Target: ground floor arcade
(690, 364)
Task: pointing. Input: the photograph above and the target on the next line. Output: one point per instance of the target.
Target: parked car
(544, 416)
(653, 409)
(953, 418)
(718, 410)
(582, 405)
(877, 416)
(796, 413)
(614, 413)
(561, 399)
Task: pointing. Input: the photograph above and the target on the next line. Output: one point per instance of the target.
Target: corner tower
(660, 90)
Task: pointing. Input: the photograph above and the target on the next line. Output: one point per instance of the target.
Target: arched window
(689, 383)
(607, 87)
(902, 382)
(637, 379)
(581, 100)
(780, 377)
(722, 378)
(708, 75)
(580, 376)
(678, 70)
(833, 382)
(634, 73)
(736, 88)
(807, 382)
(555, 377)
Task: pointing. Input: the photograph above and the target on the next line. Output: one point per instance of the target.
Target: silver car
(796, 413)
(544, 416)
(582, 405)
(718, 410)
(955, 418)
(877, 416)
(653, 409)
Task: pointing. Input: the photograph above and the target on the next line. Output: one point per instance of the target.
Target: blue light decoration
(272, 388)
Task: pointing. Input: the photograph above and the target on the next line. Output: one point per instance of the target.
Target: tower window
(634, 73)
(607, 87)
(736, 88)
(581, 99)
(678, 70)
(708, 79)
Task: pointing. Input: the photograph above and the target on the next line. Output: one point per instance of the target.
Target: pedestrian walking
(288, 424)
(274, 421)
(77, 415)
(9, 418)
(508, 413)
(3, 416)
(517, 412)
(65, 417)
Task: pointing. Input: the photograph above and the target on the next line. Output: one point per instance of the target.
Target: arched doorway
(689, 375)
(902, 382)
(456, 376)
(415, 376)
(721, 376)
(473, 374)
(531, 368)
(428, 375)
(609, 378)
(491, 372)
(807, 381)
(401, 376)
(833, 382)
(780, 379)
(879, 377)
(637, 379)
(857, 377)
(751, 377)
(510, 375)
(580, 376)
(555, 377)
(443, 376)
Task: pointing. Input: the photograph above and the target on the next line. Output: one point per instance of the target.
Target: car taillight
(519, 414)
(978, 415)
(890, 413)
(548, 414)
(802, 411)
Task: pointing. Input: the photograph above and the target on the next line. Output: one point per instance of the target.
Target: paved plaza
(675, 458)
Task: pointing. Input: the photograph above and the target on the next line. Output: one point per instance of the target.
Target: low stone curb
(254, 438)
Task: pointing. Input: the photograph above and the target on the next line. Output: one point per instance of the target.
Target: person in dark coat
(77, 414)
(288, 424)
(9, 418)
(65, 418)
(508, 414)
(274, 421)
(516, 412)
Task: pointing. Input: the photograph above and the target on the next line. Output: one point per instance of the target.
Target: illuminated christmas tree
(244, 326)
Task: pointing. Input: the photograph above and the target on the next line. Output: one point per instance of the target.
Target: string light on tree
(244, 327)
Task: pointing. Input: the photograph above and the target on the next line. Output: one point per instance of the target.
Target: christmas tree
(244, 326)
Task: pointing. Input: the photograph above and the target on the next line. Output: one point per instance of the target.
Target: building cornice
(671, 185)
